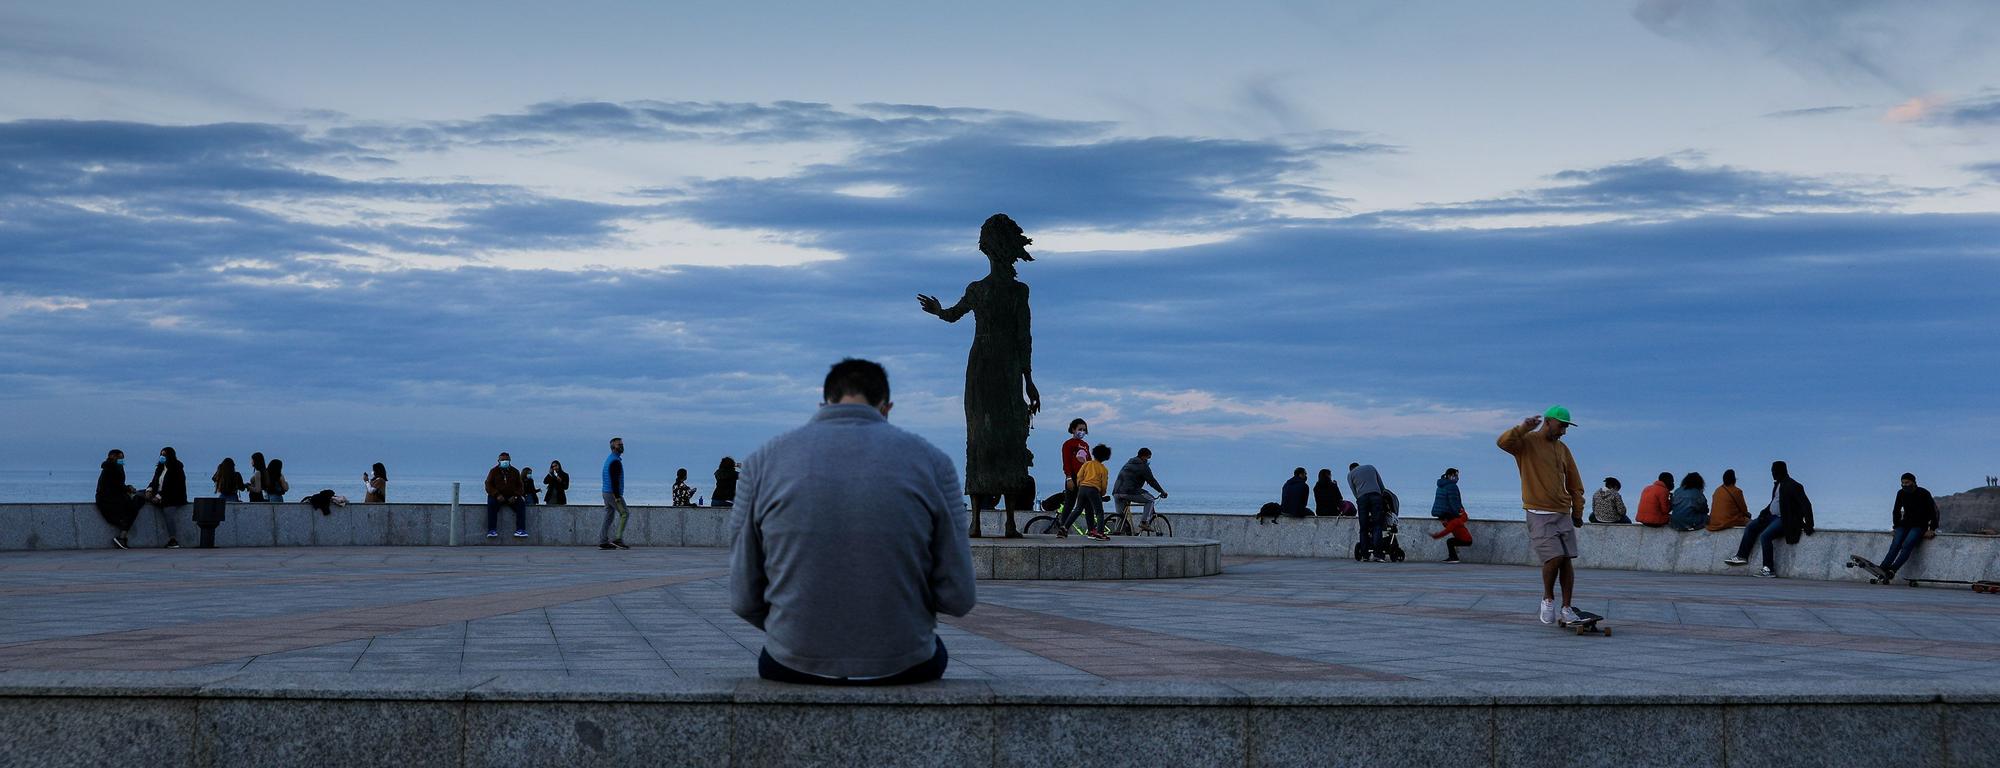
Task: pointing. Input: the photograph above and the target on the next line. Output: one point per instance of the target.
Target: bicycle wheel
(1114, 525)
(1040, 524)
(1160, 526)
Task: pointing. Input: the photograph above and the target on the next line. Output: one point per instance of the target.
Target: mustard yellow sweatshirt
(1093, 474)
(1549, 478)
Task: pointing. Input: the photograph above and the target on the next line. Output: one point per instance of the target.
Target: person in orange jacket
(1656, 502)
(1728, 510)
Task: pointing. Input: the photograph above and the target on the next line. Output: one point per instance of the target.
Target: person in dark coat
(1326, 495)
(1448, 506)
(168, 492)
(725, 484)
(1292, 498)
(1789, 513)
(117, 502)
(555, 485)
(529, 493)
(1912, 520)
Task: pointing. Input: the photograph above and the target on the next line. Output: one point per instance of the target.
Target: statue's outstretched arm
(948, 314)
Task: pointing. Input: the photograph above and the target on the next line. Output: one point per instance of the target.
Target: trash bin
(208, 514)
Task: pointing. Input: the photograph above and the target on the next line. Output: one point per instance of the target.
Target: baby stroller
(1391, 524)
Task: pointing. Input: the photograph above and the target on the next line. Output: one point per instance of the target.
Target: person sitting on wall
(849, 540)
(1607, 506)
(1656, 504)
(1292, 498)
(1728, 510)
(1449, 508)
(1690, 506)
(1913, 520)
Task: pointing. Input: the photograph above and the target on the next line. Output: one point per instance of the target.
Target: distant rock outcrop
(1974, 511)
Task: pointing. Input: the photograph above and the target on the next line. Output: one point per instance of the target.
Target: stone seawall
(1629, 547)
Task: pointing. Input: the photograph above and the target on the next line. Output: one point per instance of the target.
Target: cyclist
(1131, 489)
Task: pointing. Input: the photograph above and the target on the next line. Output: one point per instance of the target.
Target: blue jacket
(1448, 504)
(1690, 510)
(1293, 498)
(614, 475)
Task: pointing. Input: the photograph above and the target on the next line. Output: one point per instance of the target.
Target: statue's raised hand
(930, 304)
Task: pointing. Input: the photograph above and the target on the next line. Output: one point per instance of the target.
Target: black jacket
(555, 488)
(1914, 509)
(117, 506)
(1326, 498)
(171, 483)
(1797, 509)
(1293, 498)
(725, 487)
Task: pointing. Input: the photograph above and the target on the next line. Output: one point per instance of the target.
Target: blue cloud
(1669, 186)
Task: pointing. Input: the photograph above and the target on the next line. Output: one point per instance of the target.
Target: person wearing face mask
(117, 502)
(503, 489)
(1075, 452)
(1912, 520)
(555, 485)
(168, 492)
(529, 494)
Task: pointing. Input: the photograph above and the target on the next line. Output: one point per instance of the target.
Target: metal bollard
(454, 514)
(209, 513)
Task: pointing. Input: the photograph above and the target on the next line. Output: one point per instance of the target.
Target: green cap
(1558, 413)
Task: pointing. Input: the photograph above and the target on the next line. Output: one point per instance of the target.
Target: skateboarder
(1914, 519)
(1552, 497)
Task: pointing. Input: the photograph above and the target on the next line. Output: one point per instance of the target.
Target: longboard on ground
(1877, 575)
(1586, 626)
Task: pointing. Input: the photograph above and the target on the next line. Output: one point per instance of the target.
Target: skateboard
(1588, 626)
(1876, 574)
(1982, 587)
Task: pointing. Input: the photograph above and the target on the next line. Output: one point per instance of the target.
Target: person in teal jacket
(1690, 505)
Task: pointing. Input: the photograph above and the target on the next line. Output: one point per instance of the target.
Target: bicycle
(1119, 522)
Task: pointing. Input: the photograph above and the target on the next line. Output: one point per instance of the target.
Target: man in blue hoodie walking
(614, 497)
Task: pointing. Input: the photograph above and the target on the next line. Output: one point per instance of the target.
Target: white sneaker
(1766, 573)
(1737, 561)
(1570, 616)
(1548, 611)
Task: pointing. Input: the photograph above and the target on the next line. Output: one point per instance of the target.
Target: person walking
(1607, 506)
(1728, 510)
(168, 492)
(850, 539)
(376, 482)
(1656, 504)
(555, 485)
(229, 483)
(1449, 508)
(1913, 520)
(1130, 488)
(503, 489)
(117, 502)
(257, 468)
(1093, 483)
(1326, 495)
(1371, 509)
(683, 493)
(1690, 505)
(1552, 498)
(614, 498)
(725, 484)
(1075, 451)
(1789, 513)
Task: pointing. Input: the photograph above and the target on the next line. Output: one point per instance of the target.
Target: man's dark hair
(1074, 423)
(1352, 464)
(1298, 472)
(854, 376)
(1779, 471)
(1145, 453)
(1101, 453)
(1668, 478)
(1612, 483)
(1728, 477)
(1910, 477)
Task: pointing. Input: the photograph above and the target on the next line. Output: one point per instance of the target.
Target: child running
(1093, 483)
(1449, 508)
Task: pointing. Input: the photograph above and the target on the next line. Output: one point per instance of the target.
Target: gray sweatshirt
(1364, 480)
(849, 539)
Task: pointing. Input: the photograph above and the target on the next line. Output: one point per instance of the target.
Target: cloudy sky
(1267, 233)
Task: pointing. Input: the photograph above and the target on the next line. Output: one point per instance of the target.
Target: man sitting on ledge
(849, 538)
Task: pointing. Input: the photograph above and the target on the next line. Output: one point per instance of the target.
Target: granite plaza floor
(584, 612)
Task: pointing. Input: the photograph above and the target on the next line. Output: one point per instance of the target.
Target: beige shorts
(1551, 536)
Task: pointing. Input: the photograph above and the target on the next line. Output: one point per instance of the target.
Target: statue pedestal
(1045, 557)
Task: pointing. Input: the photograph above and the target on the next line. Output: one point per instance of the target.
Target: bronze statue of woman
(996, 417)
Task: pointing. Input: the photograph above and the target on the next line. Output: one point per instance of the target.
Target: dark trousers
(1374, 517)
(1761, 531)
(1902, 543)
(1088, 502)
(493, 505)
(769, 669)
